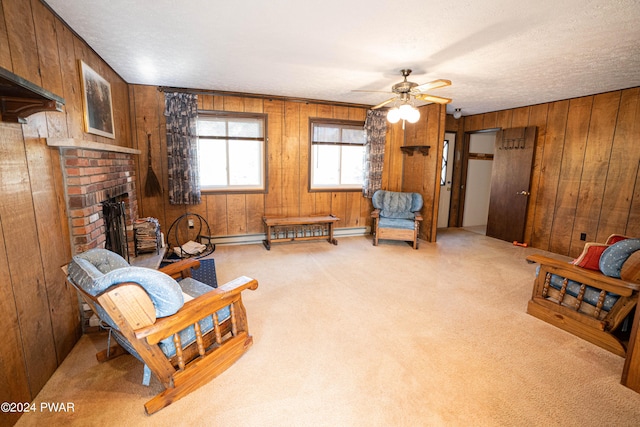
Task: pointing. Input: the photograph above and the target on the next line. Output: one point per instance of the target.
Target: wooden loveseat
(592, 296)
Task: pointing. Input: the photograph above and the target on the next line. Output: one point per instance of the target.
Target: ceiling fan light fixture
(457, 113)
(393, 116)
(405, 112)
(413, 115)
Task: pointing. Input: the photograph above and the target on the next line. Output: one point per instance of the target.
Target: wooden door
(510, 183)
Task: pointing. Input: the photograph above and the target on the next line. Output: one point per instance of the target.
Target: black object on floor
(206, 273)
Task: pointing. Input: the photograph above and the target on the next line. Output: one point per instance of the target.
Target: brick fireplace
(91, 177)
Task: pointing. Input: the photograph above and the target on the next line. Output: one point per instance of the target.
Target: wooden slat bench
(288, 229)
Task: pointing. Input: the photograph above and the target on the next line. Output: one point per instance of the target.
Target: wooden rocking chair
(185, 349)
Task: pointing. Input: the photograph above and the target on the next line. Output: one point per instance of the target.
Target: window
(445, 161)
(337, 150)
(232, 151)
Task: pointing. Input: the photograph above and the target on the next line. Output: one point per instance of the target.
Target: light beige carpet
(357, 335)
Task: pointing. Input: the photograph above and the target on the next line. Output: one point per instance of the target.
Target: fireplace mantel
(89, 145)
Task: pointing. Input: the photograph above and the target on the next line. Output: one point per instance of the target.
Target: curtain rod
(258, 96)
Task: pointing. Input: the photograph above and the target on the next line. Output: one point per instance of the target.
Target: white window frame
(343, 124)
(230, 116)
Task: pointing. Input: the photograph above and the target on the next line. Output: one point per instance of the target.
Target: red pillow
(615, 238)
(590, 256)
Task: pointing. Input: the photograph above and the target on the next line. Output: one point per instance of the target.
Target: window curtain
(181, 111)
(375, 128)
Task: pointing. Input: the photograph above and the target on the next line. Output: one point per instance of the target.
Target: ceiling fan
(406, 89)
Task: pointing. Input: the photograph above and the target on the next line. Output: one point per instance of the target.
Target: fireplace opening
(114, 216)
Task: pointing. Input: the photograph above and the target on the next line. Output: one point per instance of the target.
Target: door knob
(523, 193)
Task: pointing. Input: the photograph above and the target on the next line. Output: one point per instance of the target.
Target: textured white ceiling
(498, 53)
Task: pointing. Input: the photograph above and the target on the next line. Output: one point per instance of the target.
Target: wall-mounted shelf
(89, 145)
(20, 98)
(410, 149)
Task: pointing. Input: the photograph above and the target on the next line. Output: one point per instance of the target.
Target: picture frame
(97, 103)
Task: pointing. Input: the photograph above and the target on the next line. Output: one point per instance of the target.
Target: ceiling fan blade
(431, 85)
(382, 104)
(371, 91)
(431, 98)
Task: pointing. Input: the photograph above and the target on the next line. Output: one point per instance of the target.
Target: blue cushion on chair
(393, 204)
(407, 224)
(194, 289)
(615, 255)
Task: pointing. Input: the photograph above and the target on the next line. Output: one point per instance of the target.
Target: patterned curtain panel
(375, 127)
(181, 110)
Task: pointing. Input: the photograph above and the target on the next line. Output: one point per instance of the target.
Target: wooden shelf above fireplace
(89, 145)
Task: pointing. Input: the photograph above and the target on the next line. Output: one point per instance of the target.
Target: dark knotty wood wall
(288, 165)
(38, 313)
(586, 176)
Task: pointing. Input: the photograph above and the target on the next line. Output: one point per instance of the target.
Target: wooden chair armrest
(375, 213)
(586, 276)
(181, 269)
(418, 217)
(196, 309)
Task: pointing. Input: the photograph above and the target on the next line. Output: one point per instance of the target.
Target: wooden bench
(288, 229)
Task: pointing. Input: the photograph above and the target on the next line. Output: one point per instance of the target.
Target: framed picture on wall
(97, 102)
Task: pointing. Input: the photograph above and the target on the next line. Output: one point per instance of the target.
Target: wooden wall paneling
(273, 198)
(520, 117)
(50, 66)
(504, 119)
(633, 224)
(253, 105)
(570, 172)
(352, 211)
(5, 53)
(291, 160)
(149, 103)
(392, 170)
(72, 91)
(22, 39)
(432, 174)
(537, 118)
(413, 166)
(490, 120)
(233, 103)
(14, 384)
(218, 102)
(622, 168)
(339, 207)
(255, 212)
(121, 116)
(547, 184)
(474, 123)
(217, 214)
(307, 199)
(25, 262)
(63, 307)
(594, 172)
(205, 102)
(46, 41)
(236, 214)
(340, 112)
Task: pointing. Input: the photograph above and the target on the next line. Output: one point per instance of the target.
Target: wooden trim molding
(89, 145)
